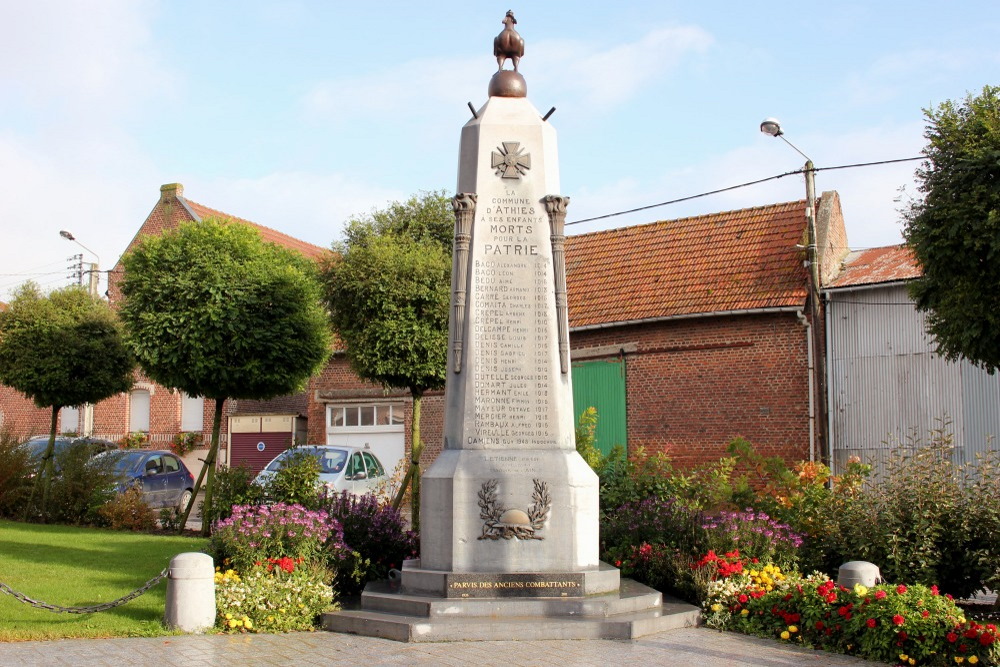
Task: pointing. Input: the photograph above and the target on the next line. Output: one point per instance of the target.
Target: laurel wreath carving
(491, 512)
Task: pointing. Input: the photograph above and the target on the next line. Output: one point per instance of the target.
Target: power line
(741, 185)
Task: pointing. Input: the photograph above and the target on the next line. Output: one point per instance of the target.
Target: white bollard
(190, 593)
(858, 572)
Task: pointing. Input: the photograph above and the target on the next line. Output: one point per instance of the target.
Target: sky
(300, 114)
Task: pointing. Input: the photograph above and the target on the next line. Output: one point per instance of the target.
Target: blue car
(164, 479)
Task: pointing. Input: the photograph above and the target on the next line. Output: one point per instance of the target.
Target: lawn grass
(71, 566)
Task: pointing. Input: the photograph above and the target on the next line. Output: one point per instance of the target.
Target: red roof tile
(270, 235)
(887, 264)
(736, 260)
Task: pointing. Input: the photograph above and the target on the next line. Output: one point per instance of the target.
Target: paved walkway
(692, 646)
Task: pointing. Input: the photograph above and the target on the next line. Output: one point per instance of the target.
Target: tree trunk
(206, 470)
(48, 467)
(413, 470)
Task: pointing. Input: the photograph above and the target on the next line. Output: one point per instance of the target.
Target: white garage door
(379, 425)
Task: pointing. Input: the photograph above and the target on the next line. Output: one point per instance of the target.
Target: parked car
(164, 479)
(353, 469)
(36, 446)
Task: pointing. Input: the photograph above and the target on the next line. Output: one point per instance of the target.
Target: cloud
(603, 77)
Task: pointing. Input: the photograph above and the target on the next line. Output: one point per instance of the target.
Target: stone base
(417, 581)
(631, 611)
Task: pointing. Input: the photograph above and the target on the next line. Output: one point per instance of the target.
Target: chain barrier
(85, 610)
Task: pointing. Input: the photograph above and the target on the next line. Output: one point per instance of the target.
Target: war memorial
(509, 510)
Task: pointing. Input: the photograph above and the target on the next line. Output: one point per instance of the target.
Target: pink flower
(880, 595)
(934, 590)
(901, 589)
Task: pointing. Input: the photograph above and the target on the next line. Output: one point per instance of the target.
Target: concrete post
(858, 572)
(190, 593)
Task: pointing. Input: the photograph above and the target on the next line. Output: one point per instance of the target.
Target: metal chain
(86, 610)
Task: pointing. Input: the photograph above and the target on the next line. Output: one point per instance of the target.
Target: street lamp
(94, 266)
(87, 408)
(772, 127)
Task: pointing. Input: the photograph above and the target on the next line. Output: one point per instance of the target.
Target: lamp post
(772, 127)
(94, 266)
(87, 409)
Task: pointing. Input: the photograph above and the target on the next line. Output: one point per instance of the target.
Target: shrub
(296, 481)
(82, 485)
(278, 595)
(255, 533)
(16, 472)
(374, 533)
(755, 535)
(233, 486)
(886, 623)
(127, 511)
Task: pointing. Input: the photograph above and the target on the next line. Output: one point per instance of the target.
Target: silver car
(352, 469)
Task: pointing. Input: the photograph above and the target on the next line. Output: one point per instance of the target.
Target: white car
(352, 469)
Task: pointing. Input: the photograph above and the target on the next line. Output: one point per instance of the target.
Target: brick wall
(694, 385)
(20, 416)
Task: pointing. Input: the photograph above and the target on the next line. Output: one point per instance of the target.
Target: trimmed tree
(388, 288)
(213, 310)
(61, 350)
(954, 230)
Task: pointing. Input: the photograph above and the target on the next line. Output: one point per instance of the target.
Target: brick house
(149, 408)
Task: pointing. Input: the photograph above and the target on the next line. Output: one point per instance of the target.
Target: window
(192, 413)
(138, 411)
(70, 420)
(374, 467)
(376, 417)
(355, 465)
(170, 464)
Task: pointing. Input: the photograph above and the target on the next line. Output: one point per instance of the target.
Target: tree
(61, 350)
(388, 289)
(213, 310)
(954, 230)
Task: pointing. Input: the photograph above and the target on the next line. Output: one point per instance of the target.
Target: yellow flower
(959, 659)
(229, 617)
(744, 612)
(912, 661)
(233, 622)
(973, 659)
(716, 607)
(785, 635)
(860, 590)
(903, 657)
(248, 624)
(793, 628)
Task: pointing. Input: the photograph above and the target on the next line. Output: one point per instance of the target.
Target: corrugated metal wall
(886, 384)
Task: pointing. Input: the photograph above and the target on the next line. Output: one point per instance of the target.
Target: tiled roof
(877, 265)
(736, 260)
(270, 235)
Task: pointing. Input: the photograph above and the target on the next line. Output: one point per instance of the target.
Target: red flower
(847, 616)
(951, 637)
(871, 622)
(934, 590)
(901, 589)
(831, 598)
(901, 636)
(743, 598)
(986, 639)
(819, 625)
(880, 595)
(948, 595)
(898, 620)
(971, 633)
(925, 613)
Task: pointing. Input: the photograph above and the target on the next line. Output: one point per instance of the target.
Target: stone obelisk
(509, 493)
(509, 510)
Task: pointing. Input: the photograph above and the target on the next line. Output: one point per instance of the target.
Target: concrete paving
(691, 646)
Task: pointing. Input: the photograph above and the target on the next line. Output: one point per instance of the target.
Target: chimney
(170, 192)
(831, 236)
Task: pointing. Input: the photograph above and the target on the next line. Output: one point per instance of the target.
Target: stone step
(420, 629)
(632, 597)
(671, 615)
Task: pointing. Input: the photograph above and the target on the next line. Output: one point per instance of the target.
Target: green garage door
(601, 384)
